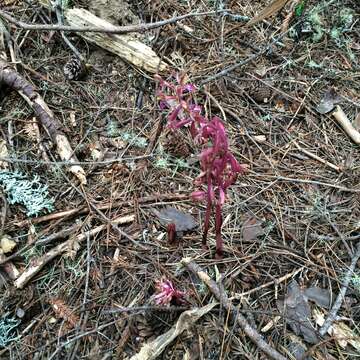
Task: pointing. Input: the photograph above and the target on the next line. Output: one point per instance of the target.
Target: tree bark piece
(125, 46)
(52, 126)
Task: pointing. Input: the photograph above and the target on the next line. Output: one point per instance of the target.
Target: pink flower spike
(219, 167)
(166, 292)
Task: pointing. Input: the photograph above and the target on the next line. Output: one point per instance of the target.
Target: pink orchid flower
(219, 168)
(166, 292)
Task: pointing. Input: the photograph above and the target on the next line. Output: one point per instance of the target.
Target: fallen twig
(59, 16)
(39, 263)
(231, 68)
(337, 304)
(314, 156)
(221, 296)
(52, 126)
(276, 282)
(109, 30)
(304, 181)
(85, 209)
(345, 123)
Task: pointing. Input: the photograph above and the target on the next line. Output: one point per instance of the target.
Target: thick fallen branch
(126, 46)
(11, 78)
(221, 296)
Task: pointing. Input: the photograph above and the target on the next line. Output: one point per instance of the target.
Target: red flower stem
(206, 222)
(218, 225)
(171, 231)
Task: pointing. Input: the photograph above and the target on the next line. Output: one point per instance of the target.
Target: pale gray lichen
(7, 326)
(30, 193)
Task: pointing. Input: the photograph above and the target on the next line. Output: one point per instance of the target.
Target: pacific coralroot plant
(219, 168)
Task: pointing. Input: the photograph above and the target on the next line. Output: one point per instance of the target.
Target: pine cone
(260, 92)
(176, 146)
(74, 69)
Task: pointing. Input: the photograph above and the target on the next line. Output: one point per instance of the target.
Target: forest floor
(291, 223)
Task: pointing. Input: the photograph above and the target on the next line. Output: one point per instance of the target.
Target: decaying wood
(345, 123)
(122, 44)
(153, 349)
(11, 78)
(125, 46)
(37, 264)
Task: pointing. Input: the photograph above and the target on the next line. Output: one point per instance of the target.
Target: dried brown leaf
(252, 229)
(73, 247)
(274, 7)
(320, 296)
(298, 313)
(153, 349)
(182, 221)
(7, 244)
(328, 101)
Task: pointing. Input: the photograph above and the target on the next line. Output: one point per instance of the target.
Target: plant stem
(218, 224)
(206, 222)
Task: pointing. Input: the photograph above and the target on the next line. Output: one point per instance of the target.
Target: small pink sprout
(166, 292)
(171, 232)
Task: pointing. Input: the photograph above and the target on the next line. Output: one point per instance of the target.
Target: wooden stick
(85, 209)
(125, 46)
(313, 156)
(345, 123)
(221, 296)
(51, 125)
(276, 282)
(111, 29)
(37, 264)
(341, 296)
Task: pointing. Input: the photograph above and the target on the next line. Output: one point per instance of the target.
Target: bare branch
(109, 30)
(337, 304)
(221, 296)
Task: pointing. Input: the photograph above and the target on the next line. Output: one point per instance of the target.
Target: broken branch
(221, 296)
(39, 263)
(11, 78)
(337, 304)
(108, 29)
(345, 123)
